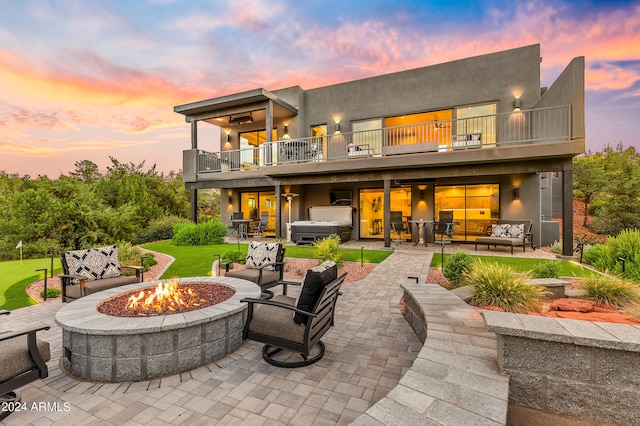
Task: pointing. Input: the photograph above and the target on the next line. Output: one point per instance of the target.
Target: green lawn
(567, 269)
(14, 279)
(193, 261)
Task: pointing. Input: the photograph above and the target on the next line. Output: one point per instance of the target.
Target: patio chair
(264, 266)
(259, 227)
(235, 226)
(398, 226)
(296, 328)
(444, 227)
(23, 358)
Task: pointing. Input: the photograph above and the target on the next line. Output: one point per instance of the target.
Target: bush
(606, 257)
(456, 266)
(231, 256)
(611, 291)
(546, 269)
(494, 284)
(556, 247)
(52, 293)
(159, 229)
(328, 249)
(201, 234)
(128, 254)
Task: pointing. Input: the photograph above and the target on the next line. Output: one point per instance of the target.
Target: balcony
(531, 127)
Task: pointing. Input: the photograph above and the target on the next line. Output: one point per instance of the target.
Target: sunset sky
(92, 79)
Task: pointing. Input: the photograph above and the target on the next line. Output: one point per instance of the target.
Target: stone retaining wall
(455, 378)
(579, 370)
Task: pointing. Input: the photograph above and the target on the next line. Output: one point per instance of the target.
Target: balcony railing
(519, 127)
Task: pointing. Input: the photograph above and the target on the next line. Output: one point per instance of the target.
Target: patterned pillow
(260, 254)
(516, 231)
(499, 230)
(94, 263)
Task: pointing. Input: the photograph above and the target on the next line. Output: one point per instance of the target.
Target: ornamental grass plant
(493, 284)
(611, 291)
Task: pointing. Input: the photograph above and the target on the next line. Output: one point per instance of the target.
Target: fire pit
(104, 346)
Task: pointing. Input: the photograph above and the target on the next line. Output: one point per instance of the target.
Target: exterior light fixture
(286, 129)
(516, 104)
(228, 138)
(337, 128)
(516, 194)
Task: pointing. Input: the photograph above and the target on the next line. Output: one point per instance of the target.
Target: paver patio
(368, 351)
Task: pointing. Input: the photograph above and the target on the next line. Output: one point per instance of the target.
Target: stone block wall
(579, 371)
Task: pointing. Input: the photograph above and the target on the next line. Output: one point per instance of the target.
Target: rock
(600, 307)
(573, 305)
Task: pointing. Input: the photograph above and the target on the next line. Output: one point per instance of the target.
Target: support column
(278, 190)
(266, 148)
(194, 134)
(194, 206)
(567, 211)
(387, 213)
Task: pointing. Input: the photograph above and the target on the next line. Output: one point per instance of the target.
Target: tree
(588, 179)
(621, 193)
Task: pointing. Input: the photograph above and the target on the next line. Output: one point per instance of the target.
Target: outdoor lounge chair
(22, 358)
(264, 266)
(291, 330)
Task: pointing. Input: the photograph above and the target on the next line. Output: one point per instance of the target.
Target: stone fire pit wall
(104, 348)
(585, 370)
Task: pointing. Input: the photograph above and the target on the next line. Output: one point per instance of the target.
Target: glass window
(368, 132)
(372, 210)
(249, 144)
(254, 205)
(478, 119)
(474, 208)
(319, 135)
(434, 126)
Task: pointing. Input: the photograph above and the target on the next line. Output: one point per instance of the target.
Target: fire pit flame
(165, 296)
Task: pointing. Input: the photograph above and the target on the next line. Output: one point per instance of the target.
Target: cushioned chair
(264, 266)
(22, 358)
(91, 270)
(292, 331)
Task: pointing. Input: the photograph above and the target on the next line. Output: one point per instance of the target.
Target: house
(477, 136)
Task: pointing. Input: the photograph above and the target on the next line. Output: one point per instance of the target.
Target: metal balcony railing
(485, 132)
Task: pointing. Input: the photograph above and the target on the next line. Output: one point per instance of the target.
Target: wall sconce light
(286, 129)
(516, 194)
(337, 128)
(516, 104)
(228, 138)
(421, 195)
(230, 199)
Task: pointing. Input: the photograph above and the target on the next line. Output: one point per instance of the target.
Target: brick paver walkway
(368, 351)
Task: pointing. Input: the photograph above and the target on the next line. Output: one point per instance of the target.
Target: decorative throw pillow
(314, 282)
(516, 231)
(95, 263)
(499, 230)
(260, 254)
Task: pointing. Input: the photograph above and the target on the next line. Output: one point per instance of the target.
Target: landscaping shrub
(52, 293)
(606, 257)
(494, 284)
(611, 291)
(457, 265)
(329, 249)
(556, 247)
(546, 269)
(231, 256)
(128, 254)
(201, 234)
(159, 229)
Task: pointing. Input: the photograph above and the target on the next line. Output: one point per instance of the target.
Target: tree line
(86, 208)
(609, 184)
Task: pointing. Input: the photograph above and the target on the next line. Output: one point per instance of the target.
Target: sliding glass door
(474, 208)
(372, 210)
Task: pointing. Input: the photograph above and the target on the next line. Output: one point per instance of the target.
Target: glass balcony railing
(519, 127)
